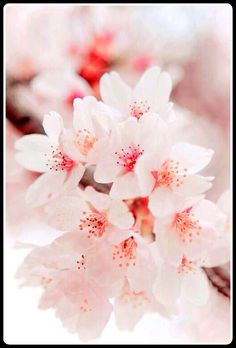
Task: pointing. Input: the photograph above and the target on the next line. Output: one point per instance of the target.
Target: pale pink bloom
(124, 255)
(64, 85)
(186, 280)
(44, 154)
(24, 224)
(172, 169)
(130, 306)
(191, 228)
(50, 90)
(209, 323)
(150, 95)
(92, 123)
(220, 254)
(38, 37)
(126, 145)
(91, 214)
(61, 269)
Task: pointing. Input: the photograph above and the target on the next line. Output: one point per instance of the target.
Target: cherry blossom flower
(50, 90)
(220, 254)
(190, 229)
(172, 169)
(130, 307)
(90, 214)
(92, 122)
(187, 280)
(61, 269)
(126, 145)
(151, 94)
(44, 154)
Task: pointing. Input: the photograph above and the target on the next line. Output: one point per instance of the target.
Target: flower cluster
(136, 239)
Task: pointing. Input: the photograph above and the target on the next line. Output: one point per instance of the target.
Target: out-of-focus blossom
(61, 269)
(50, 90)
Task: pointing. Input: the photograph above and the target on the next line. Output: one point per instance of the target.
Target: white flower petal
(169, 245)
(192, 157)
(82, 113)
(106, 169)
(33, 142)
(73, 178)
(154, 87)
(209, 213)
(195, 288)
(119, 215)
(100, 201)
(65, 212)
(53, 125)
(45, 188)
(125, 187)
(163, 202)
(115, 92)
(193, 185)
(166, 288)
(143, 168)
(34, 161)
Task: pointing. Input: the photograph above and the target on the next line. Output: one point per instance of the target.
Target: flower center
(167, 176)
(137, 109)
(124, 253)
(84, 141)
(186, 226)
(58, 160)
(93, 224)
(186, 266)
(128, 158)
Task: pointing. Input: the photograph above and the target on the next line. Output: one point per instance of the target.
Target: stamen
(186, 266)
(135, 299)
(58, 160)
(93, 224)
(128, 158)
(84, 141)
(187, 225)
(169, 175)
(124, 253)
(138, 109)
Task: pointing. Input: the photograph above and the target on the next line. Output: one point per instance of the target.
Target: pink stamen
(138, 109)
(169, 175)
(128, 159)
(59, 160)
(85, 141)
(186, 266)
(124, 253)
(186, 226)
(93, 224)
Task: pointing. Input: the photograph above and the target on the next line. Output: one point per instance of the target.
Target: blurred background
(55, 53)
